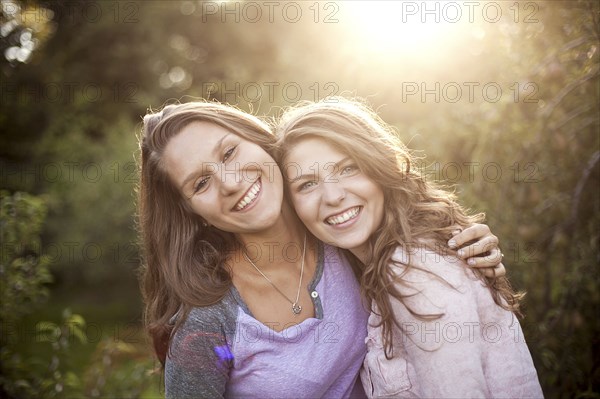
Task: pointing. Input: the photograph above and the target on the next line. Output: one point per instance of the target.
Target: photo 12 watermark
(466, 11)
(28, 93)
(471, 92)
(268, 91)
(75, 11)
(253, 12)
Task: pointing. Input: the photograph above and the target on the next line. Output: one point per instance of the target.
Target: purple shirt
(223, 351)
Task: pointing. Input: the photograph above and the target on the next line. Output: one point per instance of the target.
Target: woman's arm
(198, 361)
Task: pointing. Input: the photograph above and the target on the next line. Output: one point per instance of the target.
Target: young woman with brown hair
(240, 300)
(437, 328)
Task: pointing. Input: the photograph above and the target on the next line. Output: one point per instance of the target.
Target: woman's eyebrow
(219, 144)
(214, 152)
(189, 177)
(335, 165)
(302, 177)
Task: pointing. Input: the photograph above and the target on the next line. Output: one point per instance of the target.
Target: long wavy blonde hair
(183, 259)
(417, 212)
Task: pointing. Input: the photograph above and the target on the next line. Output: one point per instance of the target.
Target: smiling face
(232, 183)
(337, 202)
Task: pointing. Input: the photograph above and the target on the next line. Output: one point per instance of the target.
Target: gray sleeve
(200, 357)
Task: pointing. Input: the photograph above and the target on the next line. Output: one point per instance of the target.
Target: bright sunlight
(397, 28)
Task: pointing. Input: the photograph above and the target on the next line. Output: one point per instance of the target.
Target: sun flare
(402, 28)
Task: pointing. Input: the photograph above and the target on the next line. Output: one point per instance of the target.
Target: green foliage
(24, 272)
(98, 179)
(120, 370)
(23, 268)
(47, 371)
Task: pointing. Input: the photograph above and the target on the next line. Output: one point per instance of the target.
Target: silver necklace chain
(296, 308)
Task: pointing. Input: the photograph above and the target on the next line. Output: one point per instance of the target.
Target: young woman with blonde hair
(240, 300)
(437, 327)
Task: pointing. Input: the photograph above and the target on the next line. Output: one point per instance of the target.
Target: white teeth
(344, 217)
(249, 197)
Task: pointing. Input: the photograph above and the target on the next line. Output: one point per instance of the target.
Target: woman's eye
(201, 184)
(307, 185)
(228, 153)
(346, 170)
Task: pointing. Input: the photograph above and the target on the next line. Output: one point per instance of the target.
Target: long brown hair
(417, 212)
(184, 260)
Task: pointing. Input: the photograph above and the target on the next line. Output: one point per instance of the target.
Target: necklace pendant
(296, 308)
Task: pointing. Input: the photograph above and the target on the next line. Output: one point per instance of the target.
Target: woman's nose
(231, 180)
(333, 193)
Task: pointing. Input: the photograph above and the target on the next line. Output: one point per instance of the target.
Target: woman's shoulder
(200, 352)
(423, 263)
(433, 282)
(223, 312)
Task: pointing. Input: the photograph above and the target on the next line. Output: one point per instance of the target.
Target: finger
(492, 272)
(490, 260)
(480, 247)
(470, 233)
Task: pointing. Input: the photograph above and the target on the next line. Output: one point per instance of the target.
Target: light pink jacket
(475, 350)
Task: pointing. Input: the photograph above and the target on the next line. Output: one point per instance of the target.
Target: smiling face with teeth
(232, 183)
(338, 203)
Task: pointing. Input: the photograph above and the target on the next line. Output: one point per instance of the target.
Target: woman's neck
(362, 252)
(281, 242)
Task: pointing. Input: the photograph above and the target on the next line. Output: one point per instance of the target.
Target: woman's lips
(343, 217)
(249, 197)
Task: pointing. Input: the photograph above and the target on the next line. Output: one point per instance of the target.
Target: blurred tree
(23, 277)
(23, 268)
(20, 34)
